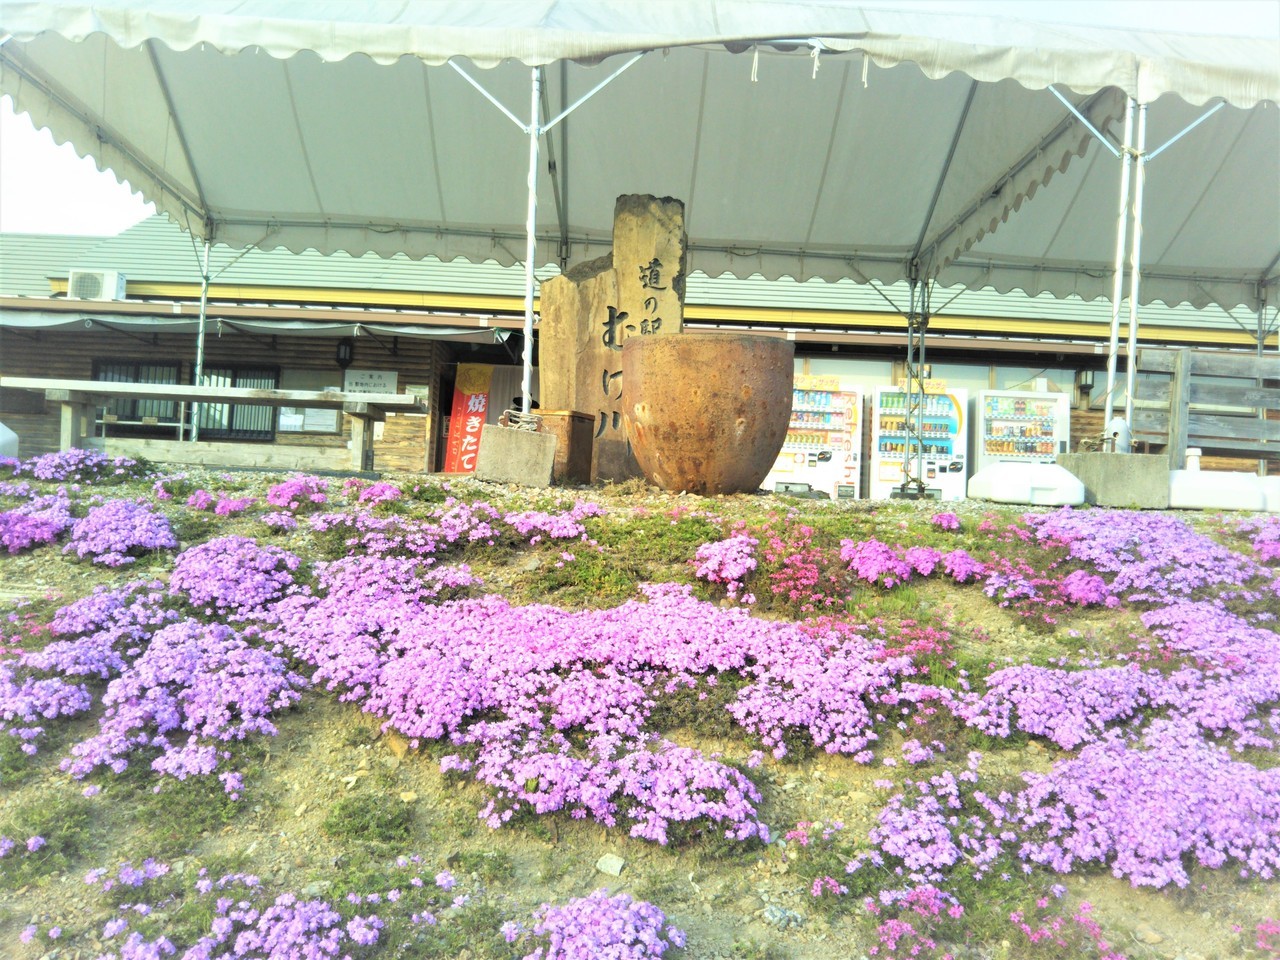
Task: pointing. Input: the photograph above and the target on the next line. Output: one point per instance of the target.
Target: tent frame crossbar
(533, 130)
(1134, 157)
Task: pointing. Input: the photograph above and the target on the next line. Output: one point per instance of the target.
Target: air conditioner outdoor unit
(95, 285)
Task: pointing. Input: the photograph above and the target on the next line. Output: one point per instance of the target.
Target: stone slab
(508, 455)
(589, 312)
(612, 864)
(1137, 481)
(573, 432)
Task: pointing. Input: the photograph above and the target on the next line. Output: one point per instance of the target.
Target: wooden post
(362, 417)
(76, 417)
(1179, 401)
(360, 436)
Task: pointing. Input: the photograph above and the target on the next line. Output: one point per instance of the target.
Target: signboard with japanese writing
(589, 313)
(466, 422)
(369, 381)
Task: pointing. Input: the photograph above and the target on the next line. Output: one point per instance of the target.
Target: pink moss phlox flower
(729, 562)
(299, 493)
(875, 562)
(945, 521)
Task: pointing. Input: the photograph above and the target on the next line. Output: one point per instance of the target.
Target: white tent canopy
(161, 323)
(816, 139)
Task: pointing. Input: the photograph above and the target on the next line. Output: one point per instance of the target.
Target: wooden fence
(1225, 404)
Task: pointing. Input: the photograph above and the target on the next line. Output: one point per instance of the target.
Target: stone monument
(590, 311)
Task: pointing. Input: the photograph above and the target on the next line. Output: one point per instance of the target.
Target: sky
(47, 189)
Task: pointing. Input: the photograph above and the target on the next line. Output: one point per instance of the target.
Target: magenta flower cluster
(222, 505)
(371, 494)
(945, 521)
(728, 562)
(300, 493)
(872, 561)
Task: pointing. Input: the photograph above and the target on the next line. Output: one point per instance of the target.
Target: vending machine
(823, 449)
(896, 452)
(1020, 427)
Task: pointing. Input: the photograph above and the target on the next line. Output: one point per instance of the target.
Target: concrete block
(1271, 493)
(1130, 480)
(508, 455)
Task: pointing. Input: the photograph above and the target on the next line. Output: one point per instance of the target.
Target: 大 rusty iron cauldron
(706, 413)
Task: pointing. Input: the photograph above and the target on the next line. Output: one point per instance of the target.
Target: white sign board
(369, 381)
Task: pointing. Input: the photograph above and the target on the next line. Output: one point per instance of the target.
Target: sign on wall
(310, 419)
(369, 381)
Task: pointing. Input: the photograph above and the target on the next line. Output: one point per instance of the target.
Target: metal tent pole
(912, 486)
(1117, 287)
(1262, 341)
(199, 368)
(1135, 264)
(531, 243)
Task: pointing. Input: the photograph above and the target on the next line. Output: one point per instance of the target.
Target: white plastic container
(1214, 490)
(1033, 484)
(8, 442)
(1271, 493)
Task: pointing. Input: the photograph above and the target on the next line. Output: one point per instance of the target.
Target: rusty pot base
(707, 413)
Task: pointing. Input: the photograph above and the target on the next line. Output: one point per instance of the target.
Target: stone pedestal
(590, 311)
(508, 455)
(1138, 481)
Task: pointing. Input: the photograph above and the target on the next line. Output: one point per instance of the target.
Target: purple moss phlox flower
(196, 688)
(39, 521)
(111, 534)
(76, 465)
(234, 576)
(599, 925)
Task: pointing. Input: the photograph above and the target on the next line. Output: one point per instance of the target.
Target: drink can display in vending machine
(1021, 427)
(919, 444)
(822, 452)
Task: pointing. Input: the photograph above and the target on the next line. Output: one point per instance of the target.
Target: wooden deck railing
(80, 399)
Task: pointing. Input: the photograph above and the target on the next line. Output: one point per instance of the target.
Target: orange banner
(466, 422)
